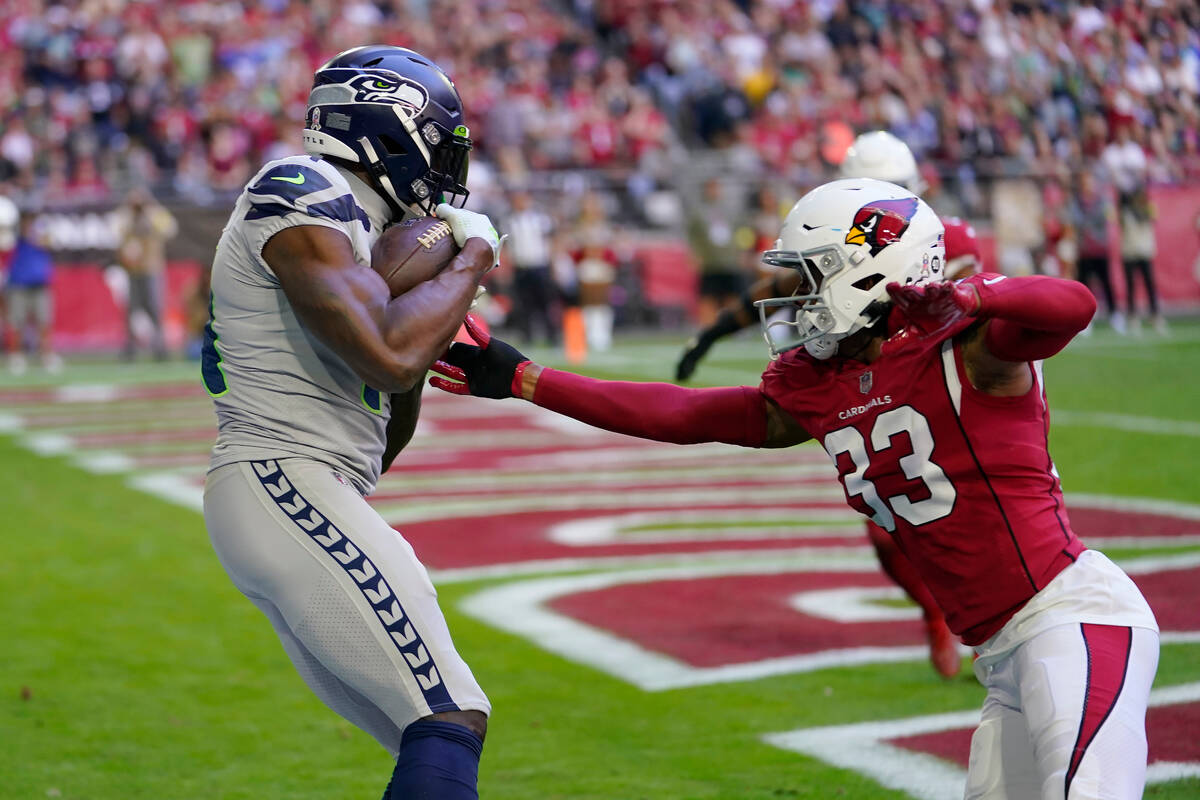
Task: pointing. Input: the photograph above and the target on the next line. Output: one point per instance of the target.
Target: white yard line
(1126, 422)
(861, 554)
(87, 393)
(1137, 505)
(734, 524)
(400, 513)
(681, 473)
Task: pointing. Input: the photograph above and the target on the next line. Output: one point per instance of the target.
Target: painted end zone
(926, 756)
(1169, 729)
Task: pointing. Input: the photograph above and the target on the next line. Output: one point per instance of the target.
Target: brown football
(412, 252)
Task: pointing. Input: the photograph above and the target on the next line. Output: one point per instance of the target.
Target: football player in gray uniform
(316, 375)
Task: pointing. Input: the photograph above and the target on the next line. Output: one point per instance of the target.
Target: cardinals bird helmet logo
(881, 222)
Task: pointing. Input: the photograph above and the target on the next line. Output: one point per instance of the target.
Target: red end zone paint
(1091, 522)
(709, 622)
(1170, 730)
(509, 538)
(715, 621)
(505, 538)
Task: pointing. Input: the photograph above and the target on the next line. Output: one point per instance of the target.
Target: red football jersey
(962, 479)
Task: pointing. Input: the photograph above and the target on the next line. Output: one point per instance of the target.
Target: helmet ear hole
(392, 145)
(867, 283)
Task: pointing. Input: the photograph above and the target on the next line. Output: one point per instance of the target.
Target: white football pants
(353, 607)
(1065, 716)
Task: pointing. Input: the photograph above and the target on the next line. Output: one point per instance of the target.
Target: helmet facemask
(819, 324)
(445, 154)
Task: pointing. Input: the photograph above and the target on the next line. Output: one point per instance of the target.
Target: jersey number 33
(937, 498)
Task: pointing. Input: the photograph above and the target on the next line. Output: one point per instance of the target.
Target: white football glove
(466, 224)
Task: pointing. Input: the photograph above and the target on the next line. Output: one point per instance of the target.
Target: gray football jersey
(278, 390)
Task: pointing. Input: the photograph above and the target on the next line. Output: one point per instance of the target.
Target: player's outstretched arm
(735, 316)
(660, 411)
(389, 343)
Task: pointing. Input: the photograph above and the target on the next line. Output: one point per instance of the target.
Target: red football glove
(934, 306)
(491, 369)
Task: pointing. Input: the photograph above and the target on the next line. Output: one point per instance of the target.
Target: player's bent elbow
(396, 376)
(403, 380)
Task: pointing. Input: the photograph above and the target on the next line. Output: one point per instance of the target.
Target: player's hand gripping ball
(412, 252)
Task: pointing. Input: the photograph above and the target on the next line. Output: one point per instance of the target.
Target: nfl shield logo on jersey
(864, 382)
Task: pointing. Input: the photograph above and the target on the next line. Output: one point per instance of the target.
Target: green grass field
(132, 668)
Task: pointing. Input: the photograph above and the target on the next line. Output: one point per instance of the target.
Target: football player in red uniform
(928, 397)
(879, 155)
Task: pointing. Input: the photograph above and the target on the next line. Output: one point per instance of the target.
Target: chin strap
(376, 170)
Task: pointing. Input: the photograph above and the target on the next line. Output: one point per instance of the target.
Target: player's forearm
(420, 323)
(660, 411)
(406, 408)
(1033, 317)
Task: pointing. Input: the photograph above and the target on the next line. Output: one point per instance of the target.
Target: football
(412, 252)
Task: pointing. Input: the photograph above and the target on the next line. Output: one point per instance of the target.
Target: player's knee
(474, 721)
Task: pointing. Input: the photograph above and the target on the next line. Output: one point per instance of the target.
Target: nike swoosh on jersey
(990, 281)
(302, 180)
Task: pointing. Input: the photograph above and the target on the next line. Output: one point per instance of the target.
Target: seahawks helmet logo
(379, 86)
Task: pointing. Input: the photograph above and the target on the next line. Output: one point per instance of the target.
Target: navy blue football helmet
(395, 113)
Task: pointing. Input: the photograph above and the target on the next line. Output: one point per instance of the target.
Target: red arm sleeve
(1032, 317)
(660, 411)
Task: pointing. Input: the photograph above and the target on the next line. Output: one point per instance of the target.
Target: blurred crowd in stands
(655, 114)
(196, 93)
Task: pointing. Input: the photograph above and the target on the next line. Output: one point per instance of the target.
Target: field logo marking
(865, 748)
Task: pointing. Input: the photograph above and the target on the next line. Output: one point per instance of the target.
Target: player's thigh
(330, 688)
(345, 583)
(1084, 690)
(1001, 764)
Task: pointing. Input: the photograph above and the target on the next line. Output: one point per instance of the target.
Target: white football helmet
(849, 239)
(882, 156)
